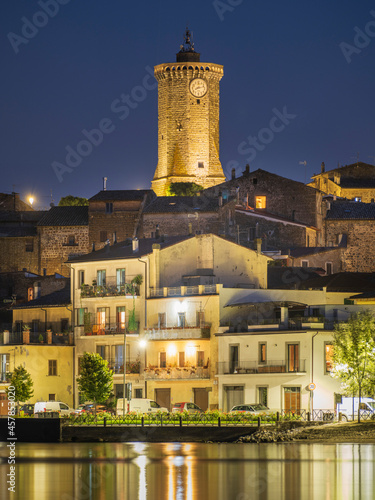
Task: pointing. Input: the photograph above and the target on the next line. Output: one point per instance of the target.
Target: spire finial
(188, 45)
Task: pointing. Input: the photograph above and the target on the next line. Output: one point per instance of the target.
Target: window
(120, 318)
(103, 236)
(200, 164)
(119, 358)
(103, 318)
(52, 367)
(71, 240)
(30, 293)
(4, 366)
(262, 353)
(293, 357)
(100, 277)
(162, 320)
(233, 358)
(64, 322)
(357, 198)
(329, 267)
(181, 320)
(304, 263)
(100, 349)
(200, 358)
(181, 359)
(29, 246)
(80, 316)
(200, 319)
(138, 393)
(120, 280)
(163, 360)
(35, 325)
(252, 233)
(263, 395)
(51, 397)
(260, 202)
(81, 278)
(328, 354)
(109, 208)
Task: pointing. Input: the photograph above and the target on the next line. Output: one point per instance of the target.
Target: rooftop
(66, 216)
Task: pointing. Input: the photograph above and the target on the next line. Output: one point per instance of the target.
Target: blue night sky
(279, 56)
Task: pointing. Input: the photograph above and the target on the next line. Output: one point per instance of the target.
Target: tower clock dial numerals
(198, 87)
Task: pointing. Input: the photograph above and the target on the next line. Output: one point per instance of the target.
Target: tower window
(198, 101)
(200, 164)
(109, 208)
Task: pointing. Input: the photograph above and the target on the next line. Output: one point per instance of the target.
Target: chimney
(258, 242)
(323, 167)
(157, 232)
(220, 199)
(247, 169)
(104, 183)
(233, 174)
(135, 245)
(190, 228)
(114, 238)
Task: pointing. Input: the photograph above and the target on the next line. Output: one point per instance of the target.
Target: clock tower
(188, 122)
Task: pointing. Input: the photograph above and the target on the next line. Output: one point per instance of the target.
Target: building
(188, 121)
(174, 307)
(351, 182)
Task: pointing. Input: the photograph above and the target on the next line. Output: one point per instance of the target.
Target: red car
(190, 407)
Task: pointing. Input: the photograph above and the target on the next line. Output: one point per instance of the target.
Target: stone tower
(188, 126)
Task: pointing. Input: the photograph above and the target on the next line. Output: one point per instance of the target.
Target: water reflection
(191, 471)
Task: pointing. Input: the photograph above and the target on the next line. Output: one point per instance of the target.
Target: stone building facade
(352, 224)
(63, 233)
(353, 182)
(188, 123)
(116, 215)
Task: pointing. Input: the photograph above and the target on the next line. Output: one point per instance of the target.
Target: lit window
(120, 318)
(262, 353)
(260, 202)
(181, 320)
(328, 348)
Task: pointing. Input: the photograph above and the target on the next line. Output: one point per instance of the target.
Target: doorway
(201, 398)
(292, 399)
(163, 397)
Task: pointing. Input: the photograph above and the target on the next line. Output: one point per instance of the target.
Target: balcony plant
(135, 283)
(41, 339)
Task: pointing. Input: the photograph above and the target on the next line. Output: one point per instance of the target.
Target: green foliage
(354, 354)
(136, 282)
(95, 381)
(23, 385)
(73, 201)
(184, 189)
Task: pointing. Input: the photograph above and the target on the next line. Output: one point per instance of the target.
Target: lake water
(190, 471)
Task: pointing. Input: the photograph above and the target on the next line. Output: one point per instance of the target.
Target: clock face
(198, 87)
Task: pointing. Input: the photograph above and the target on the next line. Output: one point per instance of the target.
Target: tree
(20, 385)
(354, 354)
(95, 381)
(73, 201)
(184, 189)
(135, 283)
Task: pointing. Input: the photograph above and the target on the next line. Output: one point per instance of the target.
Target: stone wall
(320, 259)
(358, 256)
(19, 253)
(56, 248)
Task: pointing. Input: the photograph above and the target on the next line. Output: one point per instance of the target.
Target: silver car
(254, 408)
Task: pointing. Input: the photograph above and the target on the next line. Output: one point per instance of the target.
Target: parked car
(27, 409)
(139, 405)
(254, 408)
(90, 408)
(53, 406)
(187, 406)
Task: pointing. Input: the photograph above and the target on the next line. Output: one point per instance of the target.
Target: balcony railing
(253, 367)
(118, 366)
(110, 288)
(178, 333)
(299, 323)
(47, 338)
(108, 329)
(180, 291)
(177, 373)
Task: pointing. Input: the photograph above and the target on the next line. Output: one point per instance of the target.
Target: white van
(55, 406)
(140, 405)
(366, 408)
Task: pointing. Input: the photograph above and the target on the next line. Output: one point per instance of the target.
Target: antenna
(304, 163)
(356, 157)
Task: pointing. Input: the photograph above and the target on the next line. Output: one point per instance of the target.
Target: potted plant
(41, 339)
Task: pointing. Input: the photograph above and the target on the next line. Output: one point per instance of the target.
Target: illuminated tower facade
(188, 121)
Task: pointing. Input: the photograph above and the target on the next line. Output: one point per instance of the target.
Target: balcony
(253, 367)
(35, 338)
(297, 323)
(118, 366)
(181, 291)
(177, 373)
(110, 288)
(108, 329)
(176, 333)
